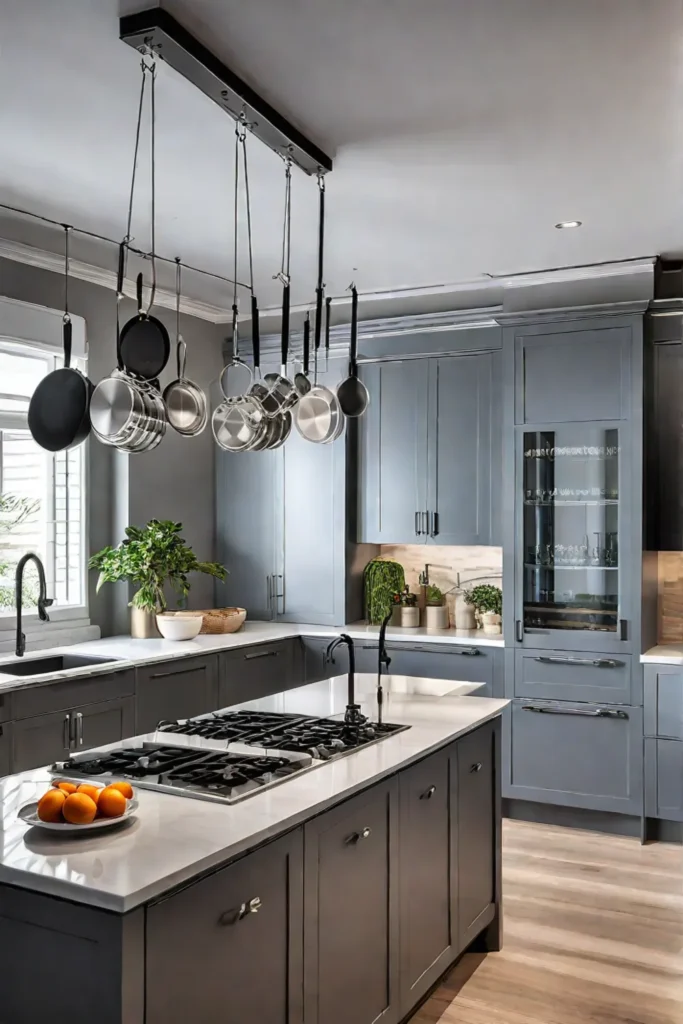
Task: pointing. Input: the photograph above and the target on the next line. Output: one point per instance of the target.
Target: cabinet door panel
(581, 675)
(5, 750)
(470, 664)
(350, 911)
(663, 701)
(576, 755)
(464, 420)
(232, 965)
(393, 453)
(476, 774)
(567, 374)
(664, 779)
(176, 689)
(41, 740)
(247, 530)
(427, 880)
(106, 722)
(258, 671)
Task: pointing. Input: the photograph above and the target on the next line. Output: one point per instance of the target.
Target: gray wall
(176, 481)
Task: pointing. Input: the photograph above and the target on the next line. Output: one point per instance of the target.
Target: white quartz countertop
(173, 839)
(663, 654)
(130, 653)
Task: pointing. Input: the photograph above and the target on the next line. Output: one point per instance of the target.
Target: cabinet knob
(355, 837)
(229, 917)
(365, 833)
(475, 767)
(428, 793)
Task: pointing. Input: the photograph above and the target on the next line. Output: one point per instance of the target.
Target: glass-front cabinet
(571, 531)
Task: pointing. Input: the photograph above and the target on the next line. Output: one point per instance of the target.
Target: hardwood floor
(593, 934)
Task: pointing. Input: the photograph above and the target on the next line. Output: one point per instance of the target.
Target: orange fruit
(79, 809)
(67, 787)
(112, 803)
(50, 805)
(92, 791)
(123, 787)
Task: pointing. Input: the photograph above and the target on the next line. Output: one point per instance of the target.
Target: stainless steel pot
(127, 413)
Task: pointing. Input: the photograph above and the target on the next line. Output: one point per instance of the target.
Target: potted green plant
(488, 601)
(151, 558)
(436, 610)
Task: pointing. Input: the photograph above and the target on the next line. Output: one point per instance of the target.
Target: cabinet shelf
(602, 568)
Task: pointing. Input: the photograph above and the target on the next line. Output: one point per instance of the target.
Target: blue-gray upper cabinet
(573, 371)
(393, 453)
(464, 449)
(248, 524)
(430, 451)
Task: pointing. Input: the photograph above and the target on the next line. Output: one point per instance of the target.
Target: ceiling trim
(42, 259)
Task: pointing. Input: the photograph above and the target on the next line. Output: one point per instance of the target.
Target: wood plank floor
(593, 934)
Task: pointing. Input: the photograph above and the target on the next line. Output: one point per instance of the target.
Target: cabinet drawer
(462, 664)
(258, 671)
(575, 755)
(5, 699)
(664, 779)
(663, 700)
(175, 689)
(577, 676)
(69, 693)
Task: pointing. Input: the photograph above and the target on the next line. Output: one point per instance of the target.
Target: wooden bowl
(218, 620)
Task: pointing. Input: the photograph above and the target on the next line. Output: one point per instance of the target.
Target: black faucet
(384, 660)
(43, 600)
(353, 714)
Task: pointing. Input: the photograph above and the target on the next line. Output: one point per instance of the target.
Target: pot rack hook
(66, 318)
(283, 274)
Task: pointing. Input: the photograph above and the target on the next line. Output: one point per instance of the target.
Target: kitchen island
(342, 894)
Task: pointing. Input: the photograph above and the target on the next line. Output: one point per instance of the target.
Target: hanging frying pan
(301, 381)
(144, 343)
(352, 392)
(59, 410)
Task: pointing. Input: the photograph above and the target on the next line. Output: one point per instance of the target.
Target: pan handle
(307, 341)
(67, 333)
(328, 315)
(138, 288)
(284, 351)
(255, 333)
(181, 353)
(353, 361)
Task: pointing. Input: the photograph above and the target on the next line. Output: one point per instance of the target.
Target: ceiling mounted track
(156, 31)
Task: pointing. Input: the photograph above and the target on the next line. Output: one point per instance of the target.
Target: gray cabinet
(663, 700)
(478, 847)
(351, 911)
(576, 676)
(575, 755)
(393, 453)
(430, 451)
(5, 750)
(248, 531)
(664, 779)
(229, 947)
(46, 738)
(258, 671)
(428, 884)
(175, 689)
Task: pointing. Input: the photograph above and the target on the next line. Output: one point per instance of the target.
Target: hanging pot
(318, 416)
(59, 410)
(184, 400)
(352, 393)
(144, 343)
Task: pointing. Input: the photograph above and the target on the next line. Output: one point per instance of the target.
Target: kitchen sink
(54, 663)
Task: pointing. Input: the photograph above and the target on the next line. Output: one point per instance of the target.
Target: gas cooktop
(187, 771)
(320, 738)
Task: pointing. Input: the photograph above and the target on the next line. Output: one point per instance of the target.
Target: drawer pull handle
(547, 659)
(468, 652)
(428, 793)
(79, 729)
(229, 917)
(261, 654)
(357, 836)
(418, 531)
(67, 732)
(177, 672)
(597, 713)
(475, 767)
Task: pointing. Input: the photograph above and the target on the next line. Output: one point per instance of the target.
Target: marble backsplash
(448, 566)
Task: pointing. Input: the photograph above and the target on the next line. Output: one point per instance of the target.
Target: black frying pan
(144, 344)
(352, 392)
(59, 410)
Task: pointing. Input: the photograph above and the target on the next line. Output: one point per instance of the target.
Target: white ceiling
(461, 133)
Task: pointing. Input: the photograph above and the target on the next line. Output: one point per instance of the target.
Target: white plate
(29, 814)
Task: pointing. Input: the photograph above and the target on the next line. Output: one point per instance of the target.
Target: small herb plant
(434, 595)
(150, 557)
(485, 598)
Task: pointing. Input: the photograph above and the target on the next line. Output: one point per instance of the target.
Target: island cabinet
(664, 742)
(430, 451)
(175, 689)
(5, 749)
(351, 911)
(229, 948)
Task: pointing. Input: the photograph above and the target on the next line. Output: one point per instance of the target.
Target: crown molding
(42, 259)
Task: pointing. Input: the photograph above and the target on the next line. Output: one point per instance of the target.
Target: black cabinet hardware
(519, 631)
(596, 713)
(428, 793)
(475, 767)
(261, 654)
(173, 672)
(592, 662)
(357, 836)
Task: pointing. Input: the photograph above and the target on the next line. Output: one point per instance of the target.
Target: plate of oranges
(70, 806)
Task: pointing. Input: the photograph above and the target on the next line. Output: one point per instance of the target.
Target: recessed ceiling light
(569, 224)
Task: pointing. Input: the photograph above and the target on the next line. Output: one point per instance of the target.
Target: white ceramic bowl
(177, 627)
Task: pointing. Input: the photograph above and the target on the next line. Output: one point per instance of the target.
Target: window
(41, 494)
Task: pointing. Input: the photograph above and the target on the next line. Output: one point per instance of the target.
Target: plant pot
(464, 615)
(410, 616)
(436, 616)
(491, 622)
(143, 624)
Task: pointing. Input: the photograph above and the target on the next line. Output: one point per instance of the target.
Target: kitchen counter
(130, 653)
(174, 839)
(663, 654)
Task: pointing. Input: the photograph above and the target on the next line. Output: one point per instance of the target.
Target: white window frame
(23, 325)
